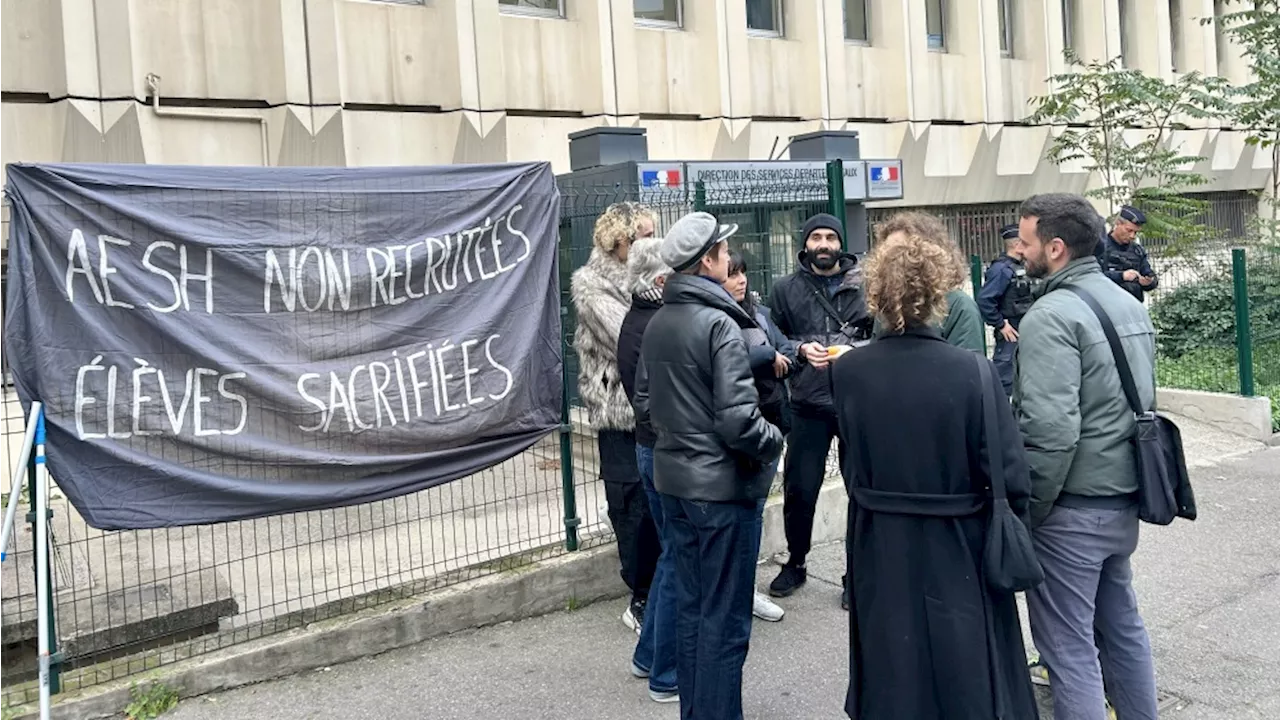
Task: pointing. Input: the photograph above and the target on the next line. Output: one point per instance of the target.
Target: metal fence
(1217, 317)
(127, 602)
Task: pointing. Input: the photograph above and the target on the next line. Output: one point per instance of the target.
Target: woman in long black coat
(928, 638)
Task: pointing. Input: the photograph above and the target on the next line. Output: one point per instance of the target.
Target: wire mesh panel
(126, 602)
(130, 601)
(1193, 312)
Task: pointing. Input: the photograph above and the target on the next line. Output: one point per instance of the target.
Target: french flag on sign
(660, 178)
(884, 173)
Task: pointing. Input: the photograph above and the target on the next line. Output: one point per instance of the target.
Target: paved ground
(1210, 593)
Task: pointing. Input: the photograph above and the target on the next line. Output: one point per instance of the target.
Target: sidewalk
(1210, 591)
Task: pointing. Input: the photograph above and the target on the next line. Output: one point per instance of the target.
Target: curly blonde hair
(907, 280)
(928, 228)
(620, 221)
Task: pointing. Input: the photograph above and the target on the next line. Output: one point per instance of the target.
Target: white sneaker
(629, 619)
(765, 609)
(664, 697)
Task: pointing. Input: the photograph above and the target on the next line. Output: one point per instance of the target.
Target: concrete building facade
(942, 84)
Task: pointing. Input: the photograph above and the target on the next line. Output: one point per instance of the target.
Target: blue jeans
(714, 547)
(656, 650)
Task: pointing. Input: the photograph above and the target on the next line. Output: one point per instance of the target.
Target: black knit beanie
(822, 221)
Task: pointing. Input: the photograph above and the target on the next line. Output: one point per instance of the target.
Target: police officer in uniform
(1005, 297)
(1123, 259)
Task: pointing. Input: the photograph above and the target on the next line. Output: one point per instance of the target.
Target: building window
(541, 8)
(1068, 24)
(935, 24)
(764, 17)
(856, 28)
(665, 13)
(1125, 59)
(1175, 36)
(1004, 12)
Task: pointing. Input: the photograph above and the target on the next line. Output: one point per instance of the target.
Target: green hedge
(1202, 314)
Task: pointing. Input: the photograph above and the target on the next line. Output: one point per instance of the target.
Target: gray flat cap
(692, 237)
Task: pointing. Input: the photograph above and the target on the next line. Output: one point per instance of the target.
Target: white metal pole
(41, 497)
(19, 476)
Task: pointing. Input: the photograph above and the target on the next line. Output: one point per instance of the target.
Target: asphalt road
(1210, 592)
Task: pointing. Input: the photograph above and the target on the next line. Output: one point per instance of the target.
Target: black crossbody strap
(821, 295)
(1117, 350)
(991, 427)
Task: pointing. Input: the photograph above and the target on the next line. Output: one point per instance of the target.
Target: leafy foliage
(1202, 314)
(150, 702)
(1194, 316)
(1120, 124)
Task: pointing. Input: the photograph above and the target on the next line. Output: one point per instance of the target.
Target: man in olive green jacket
(1078, 432)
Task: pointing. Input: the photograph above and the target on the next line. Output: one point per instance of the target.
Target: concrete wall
(364, 82)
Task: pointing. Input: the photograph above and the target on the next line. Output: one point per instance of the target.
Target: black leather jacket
(695, 387)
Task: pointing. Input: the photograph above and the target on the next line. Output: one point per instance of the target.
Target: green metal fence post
(835, 192)
(1244, 334)
(571, 519)
(975, 272)
(699, 197)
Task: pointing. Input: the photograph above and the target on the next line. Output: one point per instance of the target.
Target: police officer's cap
(1133, 215)
(1009, 232)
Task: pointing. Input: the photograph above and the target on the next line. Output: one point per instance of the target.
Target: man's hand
(1130, 275)
(815, 354)
(1008, 332)
(1145, 280)
(781, 365)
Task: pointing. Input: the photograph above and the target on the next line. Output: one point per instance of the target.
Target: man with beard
(1078, 431)
(819, 305)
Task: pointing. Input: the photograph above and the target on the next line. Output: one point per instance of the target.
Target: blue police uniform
(1119, 257)
(1007, 294)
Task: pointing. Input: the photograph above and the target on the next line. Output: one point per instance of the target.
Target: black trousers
(628, 507)
(803, 472)
(1003, 359)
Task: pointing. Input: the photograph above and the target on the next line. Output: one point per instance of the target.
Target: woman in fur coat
(601, 294)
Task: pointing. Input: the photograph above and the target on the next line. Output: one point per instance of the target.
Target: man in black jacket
(714, 459)
(819, 305)
(1124, 260)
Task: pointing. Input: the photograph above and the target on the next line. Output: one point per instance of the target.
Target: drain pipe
(153, 84)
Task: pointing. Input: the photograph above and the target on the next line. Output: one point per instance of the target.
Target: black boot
(789, 580)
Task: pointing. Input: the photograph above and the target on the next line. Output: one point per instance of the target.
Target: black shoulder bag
(1009, 561)
(1164, 488)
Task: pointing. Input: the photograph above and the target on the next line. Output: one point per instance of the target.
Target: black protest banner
(215, 344)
